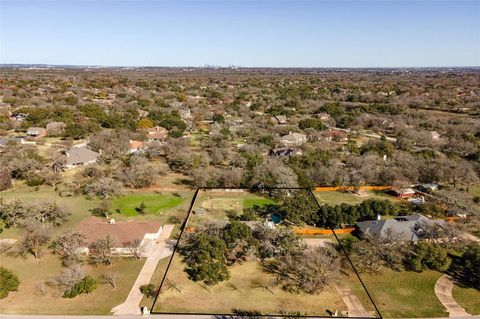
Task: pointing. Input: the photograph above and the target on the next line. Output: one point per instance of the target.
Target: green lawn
(156, 204)
(254, 201)
(403, 294)
(467, 298)
(31, 272)
(337, 198)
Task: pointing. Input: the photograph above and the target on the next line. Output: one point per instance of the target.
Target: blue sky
(247, 33)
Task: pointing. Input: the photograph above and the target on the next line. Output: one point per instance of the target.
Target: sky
(245, 33)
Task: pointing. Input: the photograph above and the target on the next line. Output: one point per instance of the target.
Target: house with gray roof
(293, 139)
(79, 155)
(403, 228)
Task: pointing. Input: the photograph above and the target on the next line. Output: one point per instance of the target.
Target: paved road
(155, 251)
(443, 290)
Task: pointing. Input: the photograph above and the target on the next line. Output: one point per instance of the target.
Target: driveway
(443, 290)
(155, 250)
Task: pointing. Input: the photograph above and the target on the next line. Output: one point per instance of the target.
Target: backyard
(333, 198)
(154, 203)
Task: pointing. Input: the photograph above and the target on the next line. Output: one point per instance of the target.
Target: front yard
(31, 272)
(403, 294)
(242, 291)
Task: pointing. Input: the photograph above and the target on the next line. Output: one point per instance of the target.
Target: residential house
(404, 192)
(427, 187)
(335, 135)
(79, 155)
(121, 233)
(34, 133)
(403, 228)
(136, 147)
(157, 133)
(293, 139)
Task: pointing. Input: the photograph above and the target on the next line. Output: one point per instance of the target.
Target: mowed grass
(337, 198)
(155, 203)
(241, 292)
(78, 206)
(403, 294)
(467, 298)
(32, 272)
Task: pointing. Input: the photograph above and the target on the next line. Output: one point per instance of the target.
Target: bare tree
(100, 251)
(135, 247)
(35, 237)
(66, 279)
(110, 278)
(311, 271)
(67, 245)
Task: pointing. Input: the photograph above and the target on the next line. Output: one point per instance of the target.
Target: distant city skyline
(247, 34)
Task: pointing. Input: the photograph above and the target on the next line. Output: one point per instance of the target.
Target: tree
(100, 251)
(471, 264)
(103, 188)
(8, 282)
(310, 271)
(67, 278)
(137, 173)
(113, 144)
(50, 212)
(5, 179)
(239, 241)
(13, 212)
(110, 278)
(428, 256)
(135, 247)
(149, 290)
(85, 285)
(67, 246)
(277, 242)
(34, 238)
(205, 258)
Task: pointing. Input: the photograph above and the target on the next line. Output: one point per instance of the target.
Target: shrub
(85, 286)
(8, 282)
(149, 290)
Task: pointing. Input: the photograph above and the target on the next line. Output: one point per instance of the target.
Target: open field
(79, 206)
(240, 292)
(31, 272)
(155, 203)
(336, 197)
(403, 294)
(218, 203)
(467, 298)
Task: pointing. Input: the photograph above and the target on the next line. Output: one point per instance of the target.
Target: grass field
(79, 207)
(31, 272)
(156, 204)
(467, 298)
(240, 292)
(337, 198)
(403, 294)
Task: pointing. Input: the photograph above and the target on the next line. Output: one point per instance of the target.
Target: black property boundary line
(217, 315)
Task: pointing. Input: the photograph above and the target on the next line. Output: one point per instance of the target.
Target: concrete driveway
(156, 250)
(443, 290)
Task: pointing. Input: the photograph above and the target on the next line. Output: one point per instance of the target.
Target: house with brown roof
(121, 233)
(156, 133)
(34, 133)
(136, 147)
(335, 135)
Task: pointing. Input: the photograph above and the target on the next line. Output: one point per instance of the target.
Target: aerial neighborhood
(242, 191)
